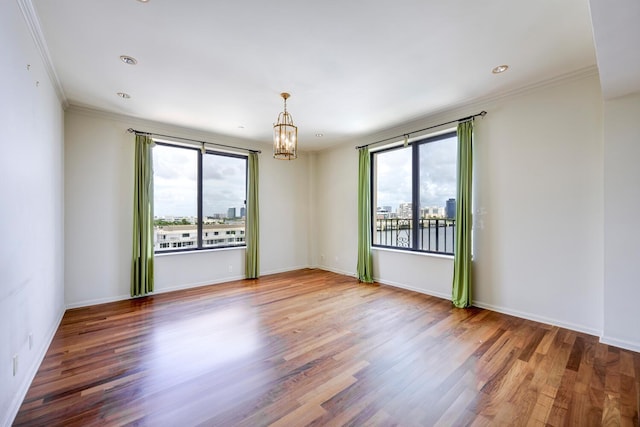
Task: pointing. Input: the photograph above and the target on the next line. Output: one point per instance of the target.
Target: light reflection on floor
(183, 348)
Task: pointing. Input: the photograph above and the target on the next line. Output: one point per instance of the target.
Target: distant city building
(231, 213)
(432, 212)
(405, 210)
(168, 237)
(243, 212)
(383, 212)
(450, 209)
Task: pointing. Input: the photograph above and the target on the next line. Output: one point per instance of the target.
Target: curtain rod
(464, 119)
(139, 132)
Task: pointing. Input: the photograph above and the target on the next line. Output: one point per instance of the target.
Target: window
(191, 187)
(413, 195)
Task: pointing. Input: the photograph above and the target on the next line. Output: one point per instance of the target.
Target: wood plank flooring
(316, 348)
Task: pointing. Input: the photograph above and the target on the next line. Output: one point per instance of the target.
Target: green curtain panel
(365, 264)
(252, 262)
(142, 266)
(461, 295)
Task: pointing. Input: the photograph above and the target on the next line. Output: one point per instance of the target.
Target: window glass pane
(175, 198)
(224, 184)
(392, 197)
(437, 192)
(421, 218)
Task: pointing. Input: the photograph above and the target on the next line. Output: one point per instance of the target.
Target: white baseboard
(163, 290)
(197, 284)
(283, 270)
(20, 395)
(411, 288)
(18, 398)
(536, 318)
(516, 313)
(616, 342)
(97, 301)
(499, 309)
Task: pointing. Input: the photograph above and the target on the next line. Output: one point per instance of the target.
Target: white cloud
(437, 179)
(175, 182)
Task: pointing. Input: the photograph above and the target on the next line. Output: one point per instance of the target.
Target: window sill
(403, 251)
(199, 251)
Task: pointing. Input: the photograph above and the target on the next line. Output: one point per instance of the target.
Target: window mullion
(415, 195)
(200, 221)
(372, 195)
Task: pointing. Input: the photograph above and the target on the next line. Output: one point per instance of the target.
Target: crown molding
(461, 109)
(33, 23)
(471, 106)
(575, 75)
(147, 125)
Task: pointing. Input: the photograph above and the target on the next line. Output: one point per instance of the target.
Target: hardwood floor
(316, 348)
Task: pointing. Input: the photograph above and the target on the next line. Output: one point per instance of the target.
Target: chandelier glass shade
(285, 135)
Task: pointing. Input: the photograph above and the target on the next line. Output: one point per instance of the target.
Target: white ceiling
(616, 30)
(352, 67)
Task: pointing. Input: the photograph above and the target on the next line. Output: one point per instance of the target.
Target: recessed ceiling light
(500, 69)
(143, 1)
(128, 59)
(124, 95)
(240, 127)
(319, 135)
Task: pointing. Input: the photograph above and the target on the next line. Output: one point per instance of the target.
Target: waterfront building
(404, 210)
(450, 209)
(171, 237)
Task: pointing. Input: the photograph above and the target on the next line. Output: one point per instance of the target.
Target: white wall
(98, 208)
(31, 217)
(539, 198)
(539, 235)
(284, 212)
(336, 233)
(99, 202)
(621, 226)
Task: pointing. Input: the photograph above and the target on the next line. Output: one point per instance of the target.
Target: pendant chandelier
(285, 135)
